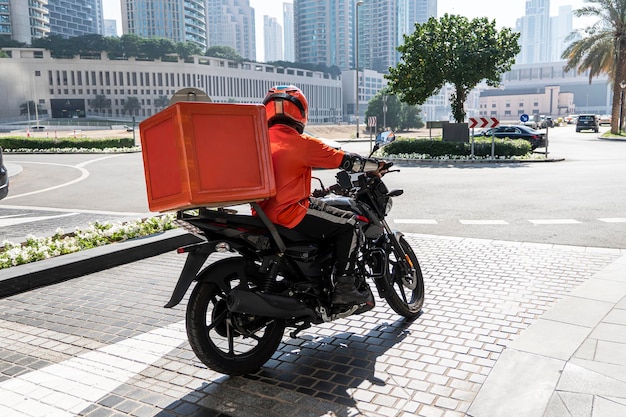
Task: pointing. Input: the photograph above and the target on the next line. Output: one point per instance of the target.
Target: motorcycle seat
(249, 221)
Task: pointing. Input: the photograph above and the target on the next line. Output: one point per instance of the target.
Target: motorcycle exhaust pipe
(267, 305)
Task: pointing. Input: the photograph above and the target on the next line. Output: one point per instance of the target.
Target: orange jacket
(293, 157)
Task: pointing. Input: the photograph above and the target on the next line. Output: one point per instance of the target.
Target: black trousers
(323, 221)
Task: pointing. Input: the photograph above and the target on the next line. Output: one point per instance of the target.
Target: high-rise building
(231, 23)
(420, 11)
(288, 33)
(70, 18)
(273, 39)
(324, 32)
(379, 33)
(24, 21)
(534, 28)
(176, 20)
(110, 27)
(561, 27)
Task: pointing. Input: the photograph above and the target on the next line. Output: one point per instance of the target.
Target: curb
(26, 277)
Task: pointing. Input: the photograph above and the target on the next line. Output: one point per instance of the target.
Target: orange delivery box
(198, 154)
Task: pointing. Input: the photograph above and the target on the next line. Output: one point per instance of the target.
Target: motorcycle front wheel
(405, 295)
(229, 343)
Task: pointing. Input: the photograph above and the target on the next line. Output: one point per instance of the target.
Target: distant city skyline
(505, 13)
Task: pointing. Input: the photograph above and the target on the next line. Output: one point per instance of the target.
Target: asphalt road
(579, 201)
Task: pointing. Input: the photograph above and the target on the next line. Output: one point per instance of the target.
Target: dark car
(587, 122)
(537, 139)
(4, 178)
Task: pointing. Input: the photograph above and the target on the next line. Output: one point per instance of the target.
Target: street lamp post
(385, 112)
(356, 59)
(621, 105)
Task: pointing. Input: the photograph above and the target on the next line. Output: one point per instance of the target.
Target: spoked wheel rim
(234, 335)
(230, 343)
(406, 294)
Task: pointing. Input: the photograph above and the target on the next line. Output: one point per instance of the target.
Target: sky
(505, 12)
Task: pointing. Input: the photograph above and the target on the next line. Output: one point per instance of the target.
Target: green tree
(58, 46)
(452, 50)
(155, 48)
(224, 52)
(161, 102)
(101, 102)
(28, 107)
(601, 48)
(187, 49)
(131, 105)
(398, 117)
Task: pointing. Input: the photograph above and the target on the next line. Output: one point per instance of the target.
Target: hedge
(504, 148)
(15, 142)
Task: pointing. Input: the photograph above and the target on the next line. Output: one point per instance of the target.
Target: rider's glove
(356, 163)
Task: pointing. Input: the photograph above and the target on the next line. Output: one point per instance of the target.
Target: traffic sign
(371, 121)
(524, 118)
(482, 122)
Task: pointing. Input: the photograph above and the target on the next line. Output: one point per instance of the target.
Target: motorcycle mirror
(385, 138)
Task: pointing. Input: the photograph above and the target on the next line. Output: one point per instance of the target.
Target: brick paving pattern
(480, 295)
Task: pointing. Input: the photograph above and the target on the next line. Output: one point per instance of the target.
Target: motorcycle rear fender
(197, 255)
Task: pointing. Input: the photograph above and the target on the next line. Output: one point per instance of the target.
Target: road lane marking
(415, 221)
(614, 220)
(67, 388)
(65, 210)
(483, 222)
(12, 220)
(80, 167)
(554, 221)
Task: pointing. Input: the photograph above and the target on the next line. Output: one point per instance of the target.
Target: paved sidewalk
(569, 363)
(509, 329)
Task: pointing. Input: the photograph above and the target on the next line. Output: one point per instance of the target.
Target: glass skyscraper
(176, 20)
(70, 18)
(24, 21)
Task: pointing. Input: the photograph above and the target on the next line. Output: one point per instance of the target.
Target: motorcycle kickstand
(293, 334)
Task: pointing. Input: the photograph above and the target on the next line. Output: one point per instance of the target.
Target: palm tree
(603, 48)
(132, 105)
(161, 102)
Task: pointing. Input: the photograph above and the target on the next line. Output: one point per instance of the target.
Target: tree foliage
(161, 102)
(101, 102)
(601, 48)
(452, 50)
(28, 107)
(224, 52)
(132, 105)
(398, 117)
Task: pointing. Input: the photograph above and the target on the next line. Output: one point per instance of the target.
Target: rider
(294, 154)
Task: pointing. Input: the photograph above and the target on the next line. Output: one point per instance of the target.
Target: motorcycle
(276, 278)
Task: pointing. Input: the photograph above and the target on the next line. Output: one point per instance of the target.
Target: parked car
(537, 139)
(587, 122)
(4, 178)
(605, 119)
(531, 124)
(571, 119)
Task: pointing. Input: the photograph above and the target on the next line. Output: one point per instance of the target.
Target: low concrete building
(510, 104)
(66, 88)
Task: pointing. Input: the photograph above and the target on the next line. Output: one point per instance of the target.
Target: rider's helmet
(286, 104)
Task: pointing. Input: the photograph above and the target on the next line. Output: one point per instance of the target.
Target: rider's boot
(346, 292)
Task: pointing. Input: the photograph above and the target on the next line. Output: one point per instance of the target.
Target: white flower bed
(97, 234)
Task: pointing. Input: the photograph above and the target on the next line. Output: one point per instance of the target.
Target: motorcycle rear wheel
(406, 300)
(229, 343)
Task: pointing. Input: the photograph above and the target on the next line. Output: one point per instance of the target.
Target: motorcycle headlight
(388, 206)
